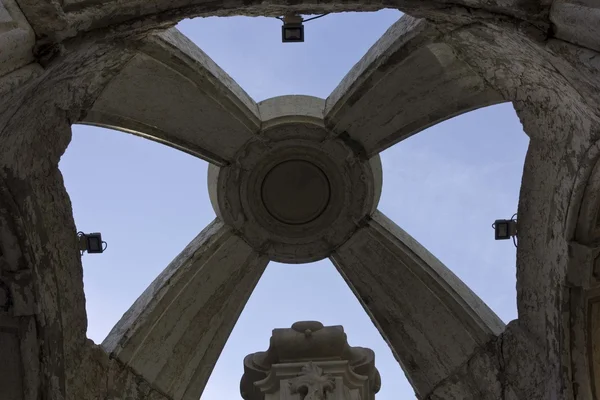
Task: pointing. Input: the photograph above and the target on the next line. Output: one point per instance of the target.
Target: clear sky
(445, 186)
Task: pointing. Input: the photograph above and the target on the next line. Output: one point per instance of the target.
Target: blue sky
(445, 186)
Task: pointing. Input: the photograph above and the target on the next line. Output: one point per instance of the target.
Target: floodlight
(91, 242)
(292, 29)
(505, 229)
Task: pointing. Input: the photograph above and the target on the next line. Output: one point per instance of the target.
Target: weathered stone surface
(576, 21)
(543, 256)
(509, 367)
(102, 378)
(58, 20)
(14, 81)
(36, 260)
(11, 379)
(580, 67)
(16, 38)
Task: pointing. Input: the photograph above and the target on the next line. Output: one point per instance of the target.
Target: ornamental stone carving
(310, 362)
(296, 192)
(313, 383)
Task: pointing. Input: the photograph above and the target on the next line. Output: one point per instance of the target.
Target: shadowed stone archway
(120, 64)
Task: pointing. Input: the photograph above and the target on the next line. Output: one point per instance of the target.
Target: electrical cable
(318, 16)
(80, 235)
(514, 237)
(306, 20)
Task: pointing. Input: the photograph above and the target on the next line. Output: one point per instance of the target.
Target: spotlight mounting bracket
(91, 242)
(505, 229)
(292, 30)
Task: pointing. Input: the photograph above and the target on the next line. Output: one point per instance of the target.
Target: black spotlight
(292, 29)
(505, 229)
(91, 242)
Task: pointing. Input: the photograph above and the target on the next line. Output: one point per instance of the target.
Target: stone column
(310, 362)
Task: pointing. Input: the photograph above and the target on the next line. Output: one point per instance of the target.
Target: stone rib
(173, 93)
(408, 81)
(432, 321)
(175, 331)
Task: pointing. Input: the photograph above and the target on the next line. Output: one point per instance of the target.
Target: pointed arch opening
(288, 293)
(449, 183)
(272, 68)
(147, 200)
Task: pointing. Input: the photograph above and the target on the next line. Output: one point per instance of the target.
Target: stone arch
(506, 44)
(581, 289)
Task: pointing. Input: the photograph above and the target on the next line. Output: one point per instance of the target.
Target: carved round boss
(295, 192)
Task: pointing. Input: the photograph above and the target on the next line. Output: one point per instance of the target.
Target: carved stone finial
(303, 326)
(312, 360)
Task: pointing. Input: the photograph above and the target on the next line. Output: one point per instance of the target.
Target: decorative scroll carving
(313, 384)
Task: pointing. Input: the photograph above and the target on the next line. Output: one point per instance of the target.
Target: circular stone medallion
(295, 192)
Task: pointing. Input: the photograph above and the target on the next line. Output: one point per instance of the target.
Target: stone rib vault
(121, 64)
